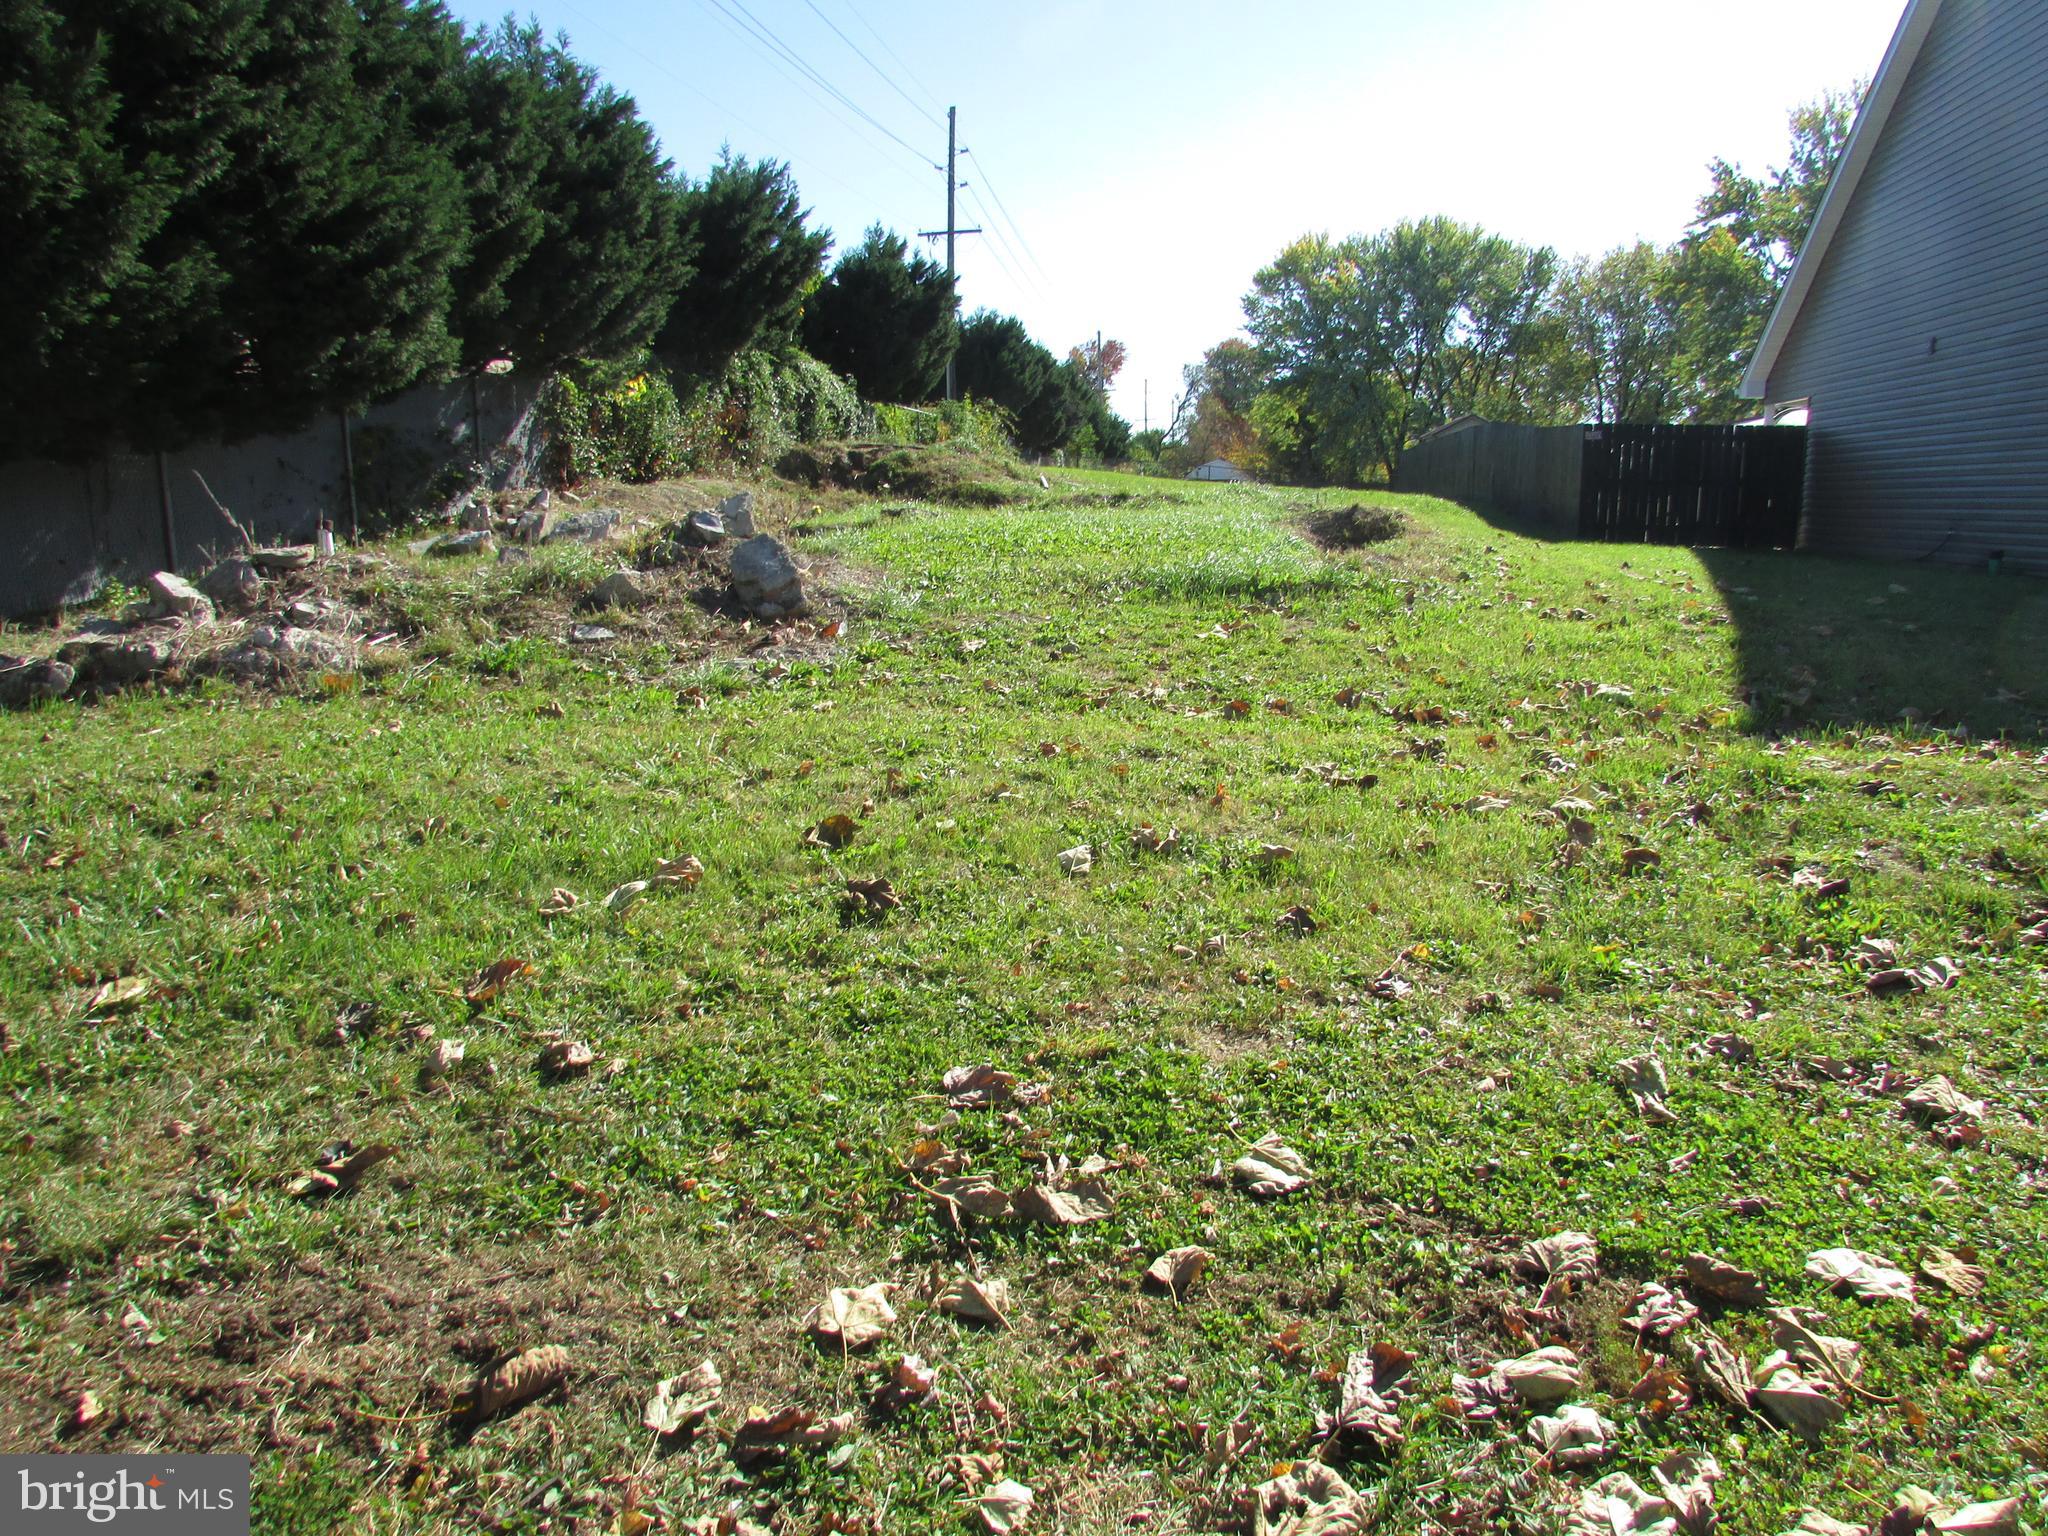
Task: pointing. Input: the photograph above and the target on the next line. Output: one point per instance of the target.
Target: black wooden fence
(1740, 486)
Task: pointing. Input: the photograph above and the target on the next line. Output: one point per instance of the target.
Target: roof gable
(1885, 92)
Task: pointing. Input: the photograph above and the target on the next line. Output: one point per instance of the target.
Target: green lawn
(766, 1095)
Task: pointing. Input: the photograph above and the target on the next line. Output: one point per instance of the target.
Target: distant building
(1912, 336)
(1217, 469)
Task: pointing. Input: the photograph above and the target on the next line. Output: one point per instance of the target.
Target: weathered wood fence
(1741, 486)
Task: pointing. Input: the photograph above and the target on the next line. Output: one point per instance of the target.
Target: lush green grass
(1014, 682)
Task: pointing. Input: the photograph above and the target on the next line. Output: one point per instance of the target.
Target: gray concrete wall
(68, 529)
(1530, 473)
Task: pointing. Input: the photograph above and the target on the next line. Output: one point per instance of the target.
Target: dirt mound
(945, 473)
(1357, 525)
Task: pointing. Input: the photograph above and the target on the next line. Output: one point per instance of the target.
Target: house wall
(68, 529)
(1924, 340)
(1523, 472)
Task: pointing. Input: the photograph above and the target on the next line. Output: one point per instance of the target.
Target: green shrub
(613, 421)
(764, 404)
(967, 423)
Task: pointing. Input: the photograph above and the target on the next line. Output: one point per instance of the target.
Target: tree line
(220, 218)
(1356, 347)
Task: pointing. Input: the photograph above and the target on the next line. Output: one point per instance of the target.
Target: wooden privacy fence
(1739, 486)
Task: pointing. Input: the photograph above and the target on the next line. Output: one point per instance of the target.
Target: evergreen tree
(886, 319)
(755, 262)
(999, 362)
(613, 250)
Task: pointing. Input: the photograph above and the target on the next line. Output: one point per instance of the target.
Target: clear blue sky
(1151, 156)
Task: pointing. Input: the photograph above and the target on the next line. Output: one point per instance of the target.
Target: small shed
(1217, 469)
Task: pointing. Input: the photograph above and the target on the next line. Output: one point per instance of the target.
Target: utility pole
(952, 229)
(1148, 407)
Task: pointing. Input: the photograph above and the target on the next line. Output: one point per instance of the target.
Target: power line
(1024, 281)
(928, 96)
(981, 167)
(887, 79)
(767, 35)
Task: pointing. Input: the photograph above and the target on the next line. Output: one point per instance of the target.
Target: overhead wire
(1023, 280)
(907, 70)
(767, 35)
(887, 78)
(981, 168)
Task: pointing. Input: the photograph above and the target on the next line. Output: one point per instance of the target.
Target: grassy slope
(1015, 682)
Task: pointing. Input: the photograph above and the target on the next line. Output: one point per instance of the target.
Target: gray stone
(534, 523)
(736, 515)
(30, 682)
(510, 555)
(475, 515)
(272, 652)
(474, 542)
(621, 589)
(233, 583)
(591, 634)
(766, 580)
(175, 595)
(114, 662)
(292, 557)
(592, 527)
(705, 529)
(320, 613)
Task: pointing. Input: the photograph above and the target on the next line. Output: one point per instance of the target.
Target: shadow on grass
(1825, 642)
(1828, 642)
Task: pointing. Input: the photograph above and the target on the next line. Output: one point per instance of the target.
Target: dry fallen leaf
(978, 1087)
(1722, 1280)
(1798, 1404)
(444, 1057)
(1952, 1272)
(1658, 1313)
(978, 1301)
(1560, 1260)
(1938, 1101)
(622, 897)
(1864, 1274)
(871, 896)
(1375, 1381)
(1077, 860)
(559, 900)
(1642, 1079)
(1618, 1506)
(1814, 1522)
(835, 831)
(909, 1381)
(1149, 839)
(86, 1410)
(1310, 1499)
(1687, 1480)
(1297, 920)
(1635, 860)
(1794, 1331)
(765, 1435)
(516, 1378)
(1003, 1507)
(683, 871)
(975, 1193)
(1720, 1370)
(1573, 1437)
(493, 979)
(566, 1058)
(2001, 1517)
(121, 992)
(680, 1403)
(340, 1170)
(1547, 1375)
(1075, 1205)
(850, 1319)
(1177, 1269)
(1270, 1167)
